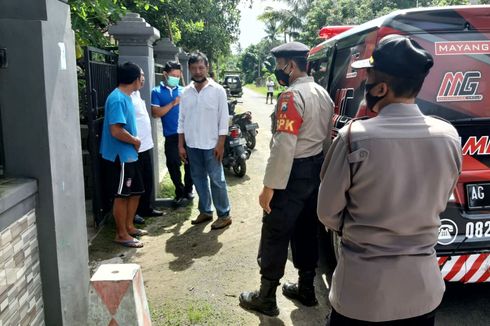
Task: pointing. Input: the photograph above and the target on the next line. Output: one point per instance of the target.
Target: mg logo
(460, 87)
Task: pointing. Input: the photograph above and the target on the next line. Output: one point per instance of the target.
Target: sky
(251, 29)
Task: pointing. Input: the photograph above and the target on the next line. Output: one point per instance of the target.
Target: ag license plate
(478, 195)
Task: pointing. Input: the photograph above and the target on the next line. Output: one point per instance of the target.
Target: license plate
(478, 195)
(237, 142)
(252, 126)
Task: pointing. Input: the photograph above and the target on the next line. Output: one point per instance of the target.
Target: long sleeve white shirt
(203, 115)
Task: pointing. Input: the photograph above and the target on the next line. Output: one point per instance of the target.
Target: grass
(263, 90)
(167, 188)
(191, 313)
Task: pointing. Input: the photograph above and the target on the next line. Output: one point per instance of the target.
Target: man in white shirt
(145, 164)
(203, 127)
(270, 90)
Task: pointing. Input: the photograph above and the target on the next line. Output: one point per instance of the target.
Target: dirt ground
(193, 275)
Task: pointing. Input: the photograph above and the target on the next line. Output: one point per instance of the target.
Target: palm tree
(290, 21)
(271, 30)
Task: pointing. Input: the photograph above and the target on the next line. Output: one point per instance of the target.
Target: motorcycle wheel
(240, 168)
(251, 141)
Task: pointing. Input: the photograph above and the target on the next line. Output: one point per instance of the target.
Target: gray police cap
(290, 50)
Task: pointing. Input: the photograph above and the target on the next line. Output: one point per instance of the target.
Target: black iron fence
(100, 72)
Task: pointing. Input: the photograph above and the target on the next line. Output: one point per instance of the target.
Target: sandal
(139, 233)
(134, 243)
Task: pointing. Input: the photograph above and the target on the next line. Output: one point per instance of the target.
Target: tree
(208, 25)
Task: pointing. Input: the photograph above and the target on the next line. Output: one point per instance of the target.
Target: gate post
(184, 60)
(135, 39)
(41, 130)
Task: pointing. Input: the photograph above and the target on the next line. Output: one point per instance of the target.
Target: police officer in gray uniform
(384, 183)
(301, 133)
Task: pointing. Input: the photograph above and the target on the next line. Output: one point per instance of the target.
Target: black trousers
(146, 167)
(294, 220)
(173, 165)
(269, 94)
(336, 319)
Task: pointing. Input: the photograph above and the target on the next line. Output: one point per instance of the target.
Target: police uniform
(384, 183)
(301, 133)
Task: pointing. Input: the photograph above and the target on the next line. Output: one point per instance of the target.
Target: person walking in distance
(270, 90)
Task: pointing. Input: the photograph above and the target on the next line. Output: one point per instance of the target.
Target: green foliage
(303, 19)
(207, 25)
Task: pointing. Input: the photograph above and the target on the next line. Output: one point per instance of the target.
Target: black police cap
(290, 50)
(398, 56)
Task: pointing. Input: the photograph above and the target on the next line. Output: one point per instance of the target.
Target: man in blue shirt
(165, 99)
(119, 146)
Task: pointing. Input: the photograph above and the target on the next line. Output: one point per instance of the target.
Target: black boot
(303, 291)
(264, 300)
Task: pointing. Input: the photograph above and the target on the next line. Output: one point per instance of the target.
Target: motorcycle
(247, 127)
(244, 121)
(235, 154)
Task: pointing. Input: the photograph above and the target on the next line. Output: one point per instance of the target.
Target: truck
(457, 89)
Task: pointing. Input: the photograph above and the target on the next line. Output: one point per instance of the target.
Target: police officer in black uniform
(301, 134)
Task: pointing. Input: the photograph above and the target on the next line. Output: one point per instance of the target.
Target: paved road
(462, 304)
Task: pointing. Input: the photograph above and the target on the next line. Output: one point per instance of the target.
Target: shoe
(152, 213)
(303, 291)
(263, 300)
(221, 223)
(134, 243)
(139, 233)
(180, 202)
(201, 218)
(138, 219)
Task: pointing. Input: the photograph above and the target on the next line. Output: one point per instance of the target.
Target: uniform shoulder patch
(287, 117)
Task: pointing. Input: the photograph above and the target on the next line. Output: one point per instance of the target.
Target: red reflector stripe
(442, 260)
(484, 277)
(473, 269)
(456, 268)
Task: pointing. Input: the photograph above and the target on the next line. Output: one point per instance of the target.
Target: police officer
(301, 133)
(384, 183)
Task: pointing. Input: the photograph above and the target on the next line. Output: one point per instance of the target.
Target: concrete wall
(21, 301)
(41, 132)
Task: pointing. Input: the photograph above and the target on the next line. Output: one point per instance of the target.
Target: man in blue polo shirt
(165, 99)
(119, 146)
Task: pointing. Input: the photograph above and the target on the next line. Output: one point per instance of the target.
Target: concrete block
(117, 296)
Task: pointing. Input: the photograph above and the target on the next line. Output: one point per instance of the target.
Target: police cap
(398, 56)
(290, 50)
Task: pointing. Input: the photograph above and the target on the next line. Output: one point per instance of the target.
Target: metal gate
(100, 80)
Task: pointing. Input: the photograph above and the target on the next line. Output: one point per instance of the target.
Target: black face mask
(199, 81)
(370, 99)
(282, 77)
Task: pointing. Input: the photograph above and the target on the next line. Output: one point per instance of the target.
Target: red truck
(457, 89)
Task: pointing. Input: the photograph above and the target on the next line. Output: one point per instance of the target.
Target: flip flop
(130, 243)
(139, 233)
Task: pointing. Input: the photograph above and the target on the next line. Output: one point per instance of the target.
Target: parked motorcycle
(244, 121)
(236, 154)
(247, 127)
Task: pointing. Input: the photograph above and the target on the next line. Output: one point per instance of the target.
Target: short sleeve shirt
(119, 109)
(162, 95)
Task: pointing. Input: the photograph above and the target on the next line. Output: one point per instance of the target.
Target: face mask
(172, 81)
(282, 76)
(370, 99)
(198, 81)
